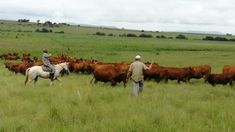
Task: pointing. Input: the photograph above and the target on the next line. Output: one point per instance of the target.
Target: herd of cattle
(117, 72)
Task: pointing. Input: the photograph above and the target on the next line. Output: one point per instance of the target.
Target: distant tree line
(181, 36)
(60, 32)
(23, 20)
(142, 35)
(44, 30)
(100, 34)
(211, 38)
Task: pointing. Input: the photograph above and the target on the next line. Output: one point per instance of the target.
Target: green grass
(77, 105)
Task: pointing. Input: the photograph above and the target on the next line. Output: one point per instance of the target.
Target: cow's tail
(26, 76)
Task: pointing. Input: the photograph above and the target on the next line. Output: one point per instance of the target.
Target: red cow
(200, 71)
(228, 69)
(26, 57)
(109, 73)
(222, 78)
(152, 73)
(179, 74)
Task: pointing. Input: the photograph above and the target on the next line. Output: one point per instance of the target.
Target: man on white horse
(48, 65)
(32, 73)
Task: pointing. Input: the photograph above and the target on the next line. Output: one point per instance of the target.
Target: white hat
(137, 57)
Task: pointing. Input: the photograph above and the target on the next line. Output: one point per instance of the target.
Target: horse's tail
(26, 76)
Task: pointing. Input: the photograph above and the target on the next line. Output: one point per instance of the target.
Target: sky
(154, 15)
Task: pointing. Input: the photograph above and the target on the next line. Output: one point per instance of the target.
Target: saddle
(46, 69)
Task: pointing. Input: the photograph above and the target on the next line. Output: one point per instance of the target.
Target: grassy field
(77, 105)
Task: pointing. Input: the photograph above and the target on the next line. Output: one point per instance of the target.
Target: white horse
(34, 72)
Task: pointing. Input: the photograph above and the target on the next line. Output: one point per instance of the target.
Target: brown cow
(2, 56)
(77, 67)
(26, 57)
(222, 78)
(152, 73)
(179, 74)
(10, 56)
(11, 66)
(228, 69)
(200, 71)
(110, 73)
(22, 67)
(38, 63)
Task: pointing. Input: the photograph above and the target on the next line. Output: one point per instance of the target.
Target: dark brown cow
(179, 74)
(222, 78)
(110, 73)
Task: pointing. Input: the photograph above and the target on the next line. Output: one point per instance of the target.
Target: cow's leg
(92, 79)
(124, 83)
(158, 78)
(96, 81)
(178, 81)
(231, 83)
(113, 83)
(166, 80)
(188, 79)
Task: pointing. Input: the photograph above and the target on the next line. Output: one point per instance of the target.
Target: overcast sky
(161, 15)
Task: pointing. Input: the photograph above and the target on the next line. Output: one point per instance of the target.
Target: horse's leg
(59, 80)
(51, 83)
(30, 81)
(31, 78)
(36, 79)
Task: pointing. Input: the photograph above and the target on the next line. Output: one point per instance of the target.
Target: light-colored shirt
(45, 59)
(137, 69)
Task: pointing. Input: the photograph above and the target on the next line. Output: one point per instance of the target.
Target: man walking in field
(136, 71)
(47, 64)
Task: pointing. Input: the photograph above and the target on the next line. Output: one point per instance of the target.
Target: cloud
(189, 13)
